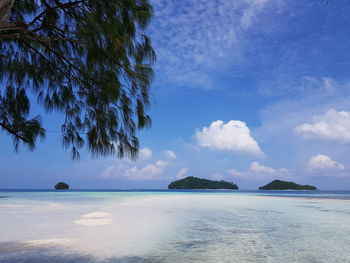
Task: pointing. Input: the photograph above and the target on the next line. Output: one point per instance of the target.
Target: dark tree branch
(59, 5)
(10, 26)
(14, 132)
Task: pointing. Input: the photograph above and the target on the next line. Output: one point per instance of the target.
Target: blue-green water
(174, 226)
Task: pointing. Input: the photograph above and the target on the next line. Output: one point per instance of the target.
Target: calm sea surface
(174, 226)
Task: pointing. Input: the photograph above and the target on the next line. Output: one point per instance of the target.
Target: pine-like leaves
(90, 60)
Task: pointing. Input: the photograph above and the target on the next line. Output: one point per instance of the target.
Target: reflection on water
(160, 227)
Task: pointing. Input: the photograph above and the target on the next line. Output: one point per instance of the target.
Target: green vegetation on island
(198, 183)
(61, 186)
(283, 185)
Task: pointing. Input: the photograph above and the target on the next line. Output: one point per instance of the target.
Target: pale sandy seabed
(174, 228)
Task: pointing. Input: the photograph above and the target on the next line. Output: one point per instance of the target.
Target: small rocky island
(198, 183)
(61, 186)
(283, 185)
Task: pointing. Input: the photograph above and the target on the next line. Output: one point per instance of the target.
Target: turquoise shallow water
(173, 226)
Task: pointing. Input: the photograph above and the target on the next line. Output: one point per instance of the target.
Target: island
(284, 185)
(191, 182)
(61, 186)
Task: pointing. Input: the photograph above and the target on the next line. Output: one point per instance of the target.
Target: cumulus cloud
(333, 125)
(170, 154)
(112, 171)
(154, 171)
(257, 170)
(148, 172)
(162, 163)
(323, 162)
(145, 154)
(231, 136)
(181, 174)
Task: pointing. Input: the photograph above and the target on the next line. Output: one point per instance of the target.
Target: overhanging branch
(59, 5)
(14, 132)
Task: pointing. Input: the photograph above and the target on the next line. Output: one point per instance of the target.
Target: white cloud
(232, 136)
(154, 171)
(148, 172)
(162, 163)
(205, 34)
(145, 154)
(321, 162)
(280, 119)
(249, 14)
(333, 125)
(181, 174)
(170, 154)
(329, 84)
(257, 170)
(111, 171)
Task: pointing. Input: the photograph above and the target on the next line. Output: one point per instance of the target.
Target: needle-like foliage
(87, 59)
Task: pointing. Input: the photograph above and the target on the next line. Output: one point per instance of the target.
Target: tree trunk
(5, 7)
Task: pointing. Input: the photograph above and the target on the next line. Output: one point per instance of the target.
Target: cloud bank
(153, 171)
(333, 126)
(259, 171)
(257, 168)
(321, 162)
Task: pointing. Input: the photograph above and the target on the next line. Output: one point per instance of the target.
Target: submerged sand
(176, 228)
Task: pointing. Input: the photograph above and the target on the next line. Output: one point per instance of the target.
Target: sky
(245, 91)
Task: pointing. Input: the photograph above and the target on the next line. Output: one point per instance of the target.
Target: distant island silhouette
(284, 185)
(61, 186)
(191, 182)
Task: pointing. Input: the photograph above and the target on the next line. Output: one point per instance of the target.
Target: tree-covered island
(61, 186)
(191, 182)
(284, 185)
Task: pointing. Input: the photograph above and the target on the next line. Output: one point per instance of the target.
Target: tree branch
(14, 132)
(10, 26)
(62, 6)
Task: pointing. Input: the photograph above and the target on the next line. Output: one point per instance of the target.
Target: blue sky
(245, 91)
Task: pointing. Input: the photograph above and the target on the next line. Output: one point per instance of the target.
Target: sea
(166, 226)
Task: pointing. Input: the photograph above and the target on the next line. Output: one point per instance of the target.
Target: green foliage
(283, 185)
(87, 59)
(61, 186)
(197, 183)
